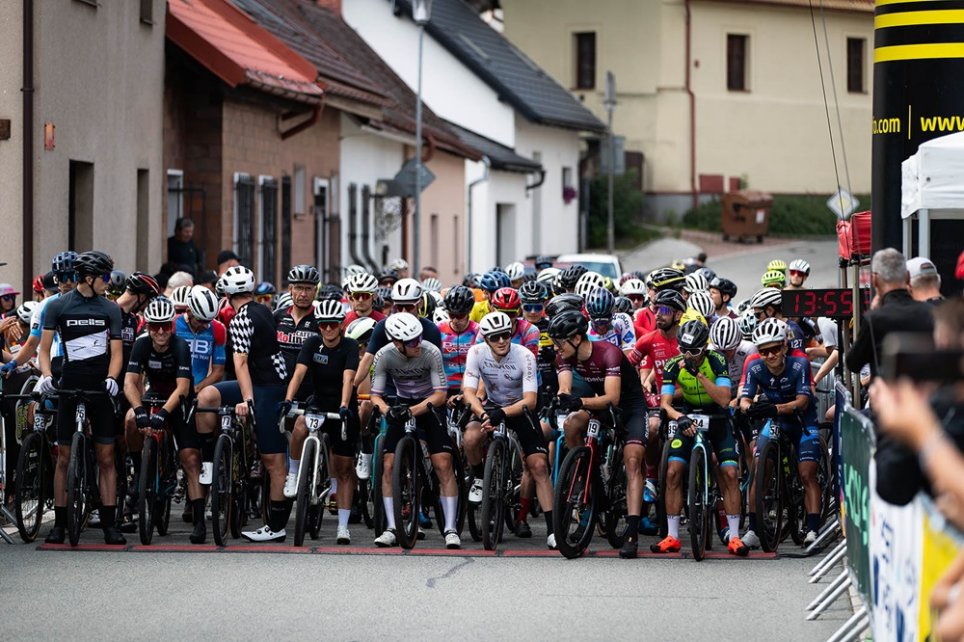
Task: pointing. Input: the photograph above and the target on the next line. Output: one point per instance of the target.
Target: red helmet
(38, 284)
(506, 300)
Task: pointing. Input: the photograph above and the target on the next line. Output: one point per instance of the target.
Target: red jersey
(644, 321)
(652, 351)
(375, 315)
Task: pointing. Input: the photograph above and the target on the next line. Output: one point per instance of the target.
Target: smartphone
(914, 356)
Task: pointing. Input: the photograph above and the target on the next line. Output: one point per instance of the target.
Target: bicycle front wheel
(769, 496)
(78, 488)
(406, 487)
(29, 496)
(147, 492)
(698, 510)
(222, 489)
(575, 504)
(494, 494)
(303, 500)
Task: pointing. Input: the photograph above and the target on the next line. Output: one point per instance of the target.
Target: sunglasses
(329, 325)
(796, 273)
(601, 323)
(664, 310)
(261, 298)
(159, 327)
(457, 317)
(9, 297)
(66, 276)
(771, 350)
(502, 336)
(360, 296)
(533, 308)
(414, 343)
(105, 278)
(759, 314)
(692, 353)
(405, 307)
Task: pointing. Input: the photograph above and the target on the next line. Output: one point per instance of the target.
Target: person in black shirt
(181, 249)
(332, 361)
(90, 333)
(261, 373)
(296, 323)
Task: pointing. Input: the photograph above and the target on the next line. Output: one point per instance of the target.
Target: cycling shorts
(267, 405)
(100, 414)
(719, 435)
(808, 445)
(750, 430)
(430, 427)
(341, 447)
(636, 422)
(533, 442)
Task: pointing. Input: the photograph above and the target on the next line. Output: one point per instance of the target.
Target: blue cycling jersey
(207, 347)
(783, 388)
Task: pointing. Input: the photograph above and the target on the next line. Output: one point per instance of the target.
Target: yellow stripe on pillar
(919, 52)
(916, 18)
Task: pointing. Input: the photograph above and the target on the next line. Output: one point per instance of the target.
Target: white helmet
(515, 271)
(548, 275)
(160, 310)
(696, 281)
(770, 331)
(432, 284)
(766, 296)
(495, 323)
(354, 269)
(360, 327)
(589, 282)
(398, 264)
(25, 311)
(801, 266)
(362, 282)
(403, 326)
(202, 303)
(633, 286)
(282, 301)
(406, 291)
(180, 297)
(238, 280)
(747, 324)
(725, 333)
(702, 302)
(440, 316)
(330, 310)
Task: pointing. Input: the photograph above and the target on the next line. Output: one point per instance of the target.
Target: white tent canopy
(932, 186)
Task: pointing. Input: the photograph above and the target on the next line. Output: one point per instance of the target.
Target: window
(585, 64)
(736, 62)
(433, 239)
(175, 198)
(143, 218)
(244, 190)
(856, 48)
(80, 206)
(268, 265)
(321, 221)
(285, 222)
(147, 12)
(298, 205)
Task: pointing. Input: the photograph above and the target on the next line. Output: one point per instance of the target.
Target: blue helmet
(503, 277)
(600, 303)
(64, 262)
(490, 282)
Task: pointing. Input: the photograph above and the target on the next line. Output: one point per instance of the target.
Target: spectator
(176, 280)
(896, 311)
(208, 279)
(925, 282)
(227, 259)
(181, 249)
(8, 298)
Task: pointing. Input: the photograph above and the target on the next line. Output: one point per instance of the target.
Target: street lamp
(421, 14)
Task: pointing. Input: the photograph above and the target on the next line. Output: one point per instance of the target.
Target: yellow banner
(939, 550)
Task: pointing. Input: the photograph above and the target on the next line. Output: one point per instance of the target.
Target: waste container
(746, 214)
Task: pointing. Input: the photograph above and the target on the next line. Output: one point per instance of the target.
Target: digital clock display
(835, 303)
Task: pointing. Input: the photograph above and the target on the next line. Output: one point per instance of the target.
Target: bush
(795, 216)
(627, 208)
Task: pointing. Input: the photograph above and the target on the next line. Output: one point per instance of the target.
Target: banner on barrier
(940, 545)
(857, 444)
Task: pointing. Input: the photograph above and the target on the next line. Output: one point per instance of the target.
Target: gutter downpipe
(28, 164)
(692, 99)
(468, 246)
(539, 181)
(366, 228)
(353, 230)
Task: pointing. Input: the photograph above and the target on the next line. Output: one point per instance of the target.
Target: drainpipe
(366, 228)
(352, 227)
(28, 166)
(539, 182)
(468, 246)
(692, 99)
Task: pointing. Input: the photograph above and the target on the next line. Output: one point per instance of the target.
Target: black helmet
(330, 292)
(569, 276)
(118, 281)
(426, 305)
(563, 302)
(623, 305)
(666, 278)
(64, 262)
(725, 286)
(140, 283)
(692, 335)
(567, 324)
(672, 298)
(385, 294)
(533, 292)
(459, 300)
(93, 263)
(386, 274)
(471, 280)
(542, 262)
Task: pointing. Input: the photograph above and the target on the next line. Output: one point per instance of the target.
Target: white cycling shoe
(386, 539)
(343, 537)
(750, 539)
(291, 486)
(265, 534)
(452, 540)
(363, 468)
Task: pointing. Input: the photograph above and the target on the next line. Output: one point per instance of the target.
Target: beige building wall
(11, 150)
(443, 241)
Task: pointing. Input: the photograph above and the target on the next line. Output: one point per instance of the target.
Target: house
(521, 198)
(80, 132)
(716, 94)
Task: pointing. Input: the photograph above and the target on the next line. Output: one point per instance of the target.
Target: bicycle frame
(315, 422)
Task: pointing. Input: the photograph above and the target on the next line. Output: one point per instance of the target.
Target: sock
(548, 515)
(207, 447)
(632, 526)
(450, 509)
(478, 470)
(334, 486)
(60, 516)
(672, 526)
(278, 513)
(751, 522)
(524, 504)
(389, 504)
(294, 465)
(733, 523)
(813, 521)
(197, 506)
(343, 515)
(107, 516)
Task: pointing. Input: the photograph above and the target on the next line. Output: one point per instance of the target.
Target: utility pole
(609, 101)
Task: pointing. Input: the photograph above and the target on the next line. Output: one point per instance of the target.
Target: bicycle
(157, 479)
(369, 495)
(314, 479)
(500, 486)
(415, 485)
(82, 470)
(33, 493)
(701, 496)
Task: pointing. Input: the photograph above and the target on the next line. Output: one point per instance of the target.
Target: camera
(914, 356)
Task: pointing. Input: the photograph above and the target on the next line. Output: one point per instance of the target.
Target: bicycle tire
(375, 481)
(303, 499)
(494, 485)
(769, 496)
(575, 503)
(222, 489)
(825, 477)
(516, 467)
(147, 491)
(661, 491)
(406, 489)
(697, 509)
(316, 513)
(22, 410)
(364, 500)
(463, 492)
(29, 496)
(794, 499)
(616, 503)
(78, 505)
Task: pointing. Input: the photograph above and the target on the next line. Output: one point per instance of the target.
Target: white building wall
(501, 187)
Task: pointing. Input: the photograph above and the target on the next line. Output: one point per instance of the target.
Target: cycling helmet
(569, 276)
(692, 336)
(678, 264)
(489, 282)
(515, 271)
(432, 284)
(406, 291)
(180, 297)
(548, 275)
(330, 310)
(403, 326)
(709, 273)
(567, 324)
(588, 282)
(398, 265)
(160, 310)
(533, 292)
(64, 262)
(459, 300)
(666, 278)
(237, 280)
(770, 331)
(610, 285)
(600, 304)
(563, 302)
(38, 284)
(426, 305)
(25, 311)
(363, 282)
(360, 329)
(304, 273)
(543, 262)
(725, 333)
(773, 278)
(702, 302)
(202, 303)
(765, 297)
(633, 286)
(329, 292)
(671, 298)
(695, 281)
(93, 263)
(502, 278)
(471, 280)
(118, 282)
(384, 294)
(354, 269)
(747, 324)
(725, 286)
(800, 265)
(692, 315)
(440, 316)
(388, 274)
(623, 305)
(495, 323)
(140, 283)
(506, 300)
(264, 288)
(282, 301)
(777, 264)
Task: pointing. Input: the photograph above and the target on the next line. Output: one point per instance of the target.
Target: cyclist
(777, 265)
(702, 375)
(458, 335)
(568, 278)
(297, 323)
(658, 280)
(517, 273)
(361, 295)
(783, 383)
(768, 304)
(264, 293)
(261, 373)
(798, 272)
(722, 291)
(179, 296)
(416, 367)
(702, 302)
(613, 380)
(488, 284)
(400, 267)
(508, 302)
(332, 362)
(205, 335)
(164, 360)
(89, 327)
(361, 331)
(604, 325)
(634, 290)
(508, 372)
(774, 279)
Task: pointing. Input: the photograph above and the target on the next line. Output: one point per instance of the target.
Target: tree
(627, 206)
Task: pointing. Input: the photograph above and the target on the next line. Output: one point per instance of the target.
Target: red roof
(238, 51)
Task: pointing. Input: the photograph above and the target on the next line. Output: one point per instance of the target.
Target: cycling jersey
(455, 347)
(130, 324)
(162, 369)
(207, 346)
(735, 365)
(37, 325)
(644, 321)
(479, 310)
(606, 360)
(291, 336)
(713, 368)
(652, 351)
(783, 387)
(374, 315)
(86, 326)
(416, 378)
(327, 366)
(506, 379)
(379, 338)
(620, 333)
(796, 339)
(525, 335)
(253, 333)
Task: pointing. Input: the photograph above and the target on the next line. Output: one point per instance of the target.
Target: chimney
(332, 5)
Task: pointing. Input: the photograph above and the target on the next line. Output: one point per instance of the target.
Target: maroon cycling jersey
(374, 315)
(606, 360)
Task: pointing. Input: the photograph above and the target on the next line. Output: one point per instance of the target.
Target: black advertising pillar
(918, 95)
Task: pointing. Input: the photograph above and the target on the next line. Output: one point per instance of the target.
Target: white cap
(921, 266)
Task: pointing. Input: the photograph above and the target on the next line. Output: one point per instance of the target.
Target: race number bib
(700, 422)
(314, 422)
(593, 429)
